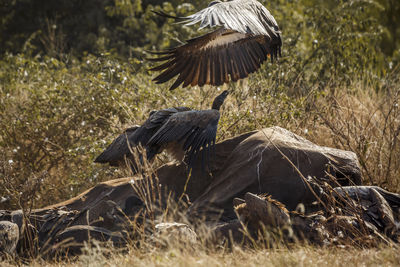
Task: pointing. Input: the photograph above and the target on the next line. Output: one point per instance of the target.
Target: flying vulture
(181, 131)
(244, 35)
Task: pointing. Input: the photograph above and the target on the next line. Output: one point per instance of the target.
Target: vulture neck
(217, 103)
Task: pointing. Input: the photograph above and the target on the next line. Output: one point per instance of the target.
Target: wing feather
(227, 65)
(253, 52)
(218, 79)
(239, 63)
(251, 65)
(114, 153)
(242, 62)
(171, 72)
(256, 48)
(194, 130)
(203, 70)
(193, 70)
(181, 78)
(245, 16)
(233, 62)
(196, 75)
(209, 69)
(165, 65)
(213, 68)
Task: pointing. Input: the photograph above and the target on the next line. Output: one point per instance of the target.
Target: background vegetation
(73, 75)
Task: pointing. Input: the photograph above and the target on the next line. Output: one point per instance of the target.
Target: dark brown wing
(215, 58)
(120, 148)
(115, 152)
(194, 130)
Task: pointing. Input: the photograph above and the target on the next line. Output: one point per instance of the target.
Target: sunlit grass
(298, 256)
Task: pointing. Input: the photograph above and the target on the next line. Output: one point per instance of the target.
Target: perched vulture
(181, 131)
(244, 35)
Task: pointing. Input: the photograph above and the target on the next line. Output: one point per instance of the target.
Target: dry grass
(297, 256)
(367, 123)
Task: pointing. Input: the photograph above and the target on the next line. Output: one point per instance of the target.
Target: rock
(9, 236)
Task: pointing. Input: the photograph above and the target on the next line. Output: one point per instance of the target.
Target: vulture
(244, 34)
(181, 131)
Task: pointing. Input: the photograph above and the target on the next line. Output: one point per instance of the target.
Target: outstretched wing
(248, 35)
(244, 16)
(194, 130)
(215, 58)
(115, 153)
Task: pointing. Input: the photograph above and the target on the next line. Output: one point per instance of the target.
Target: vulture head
(219, 100)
